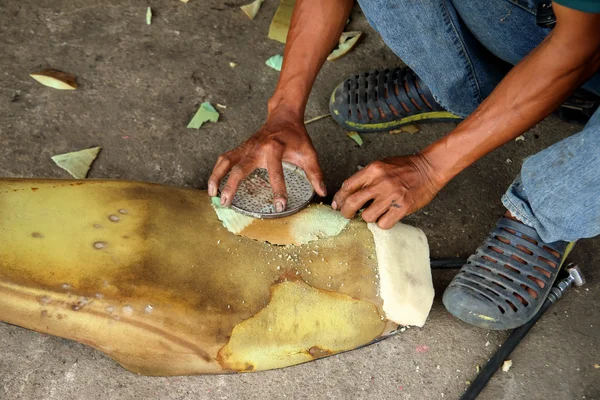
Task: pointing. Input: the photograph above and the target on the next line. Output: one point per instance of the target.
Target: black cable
(502, 354)
(447, 263)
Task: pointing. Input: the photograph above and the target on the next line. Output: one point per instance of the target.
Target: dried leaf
(205, 113)
(252, 9)
(347, 42)
(506, 365)
(55, 79)
(77, 163)
(280, 25)
(308, 121)
(148, 16)
(412, 129)
(275, 62)
(356, 137)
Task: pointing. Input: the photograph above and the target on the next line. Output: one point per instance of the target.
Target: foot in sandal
(384, 100)
(508, 278)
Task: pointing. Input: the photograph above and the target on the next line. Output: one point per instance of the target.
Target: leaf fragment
(412, 129)
(77, 163)
(205, 113)
(252, 9)
(275, 62)
(346, 43)
(308, 121)
(356, 137)
(55, 79)
(148, 16)
(280, 25)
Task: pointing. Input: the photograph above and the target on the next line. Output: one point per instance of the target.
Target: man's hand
(398, 187)
(314, 31)
(282, 138)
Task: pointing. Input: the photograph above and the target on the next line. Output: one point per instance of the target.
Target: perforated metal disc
(255, 196)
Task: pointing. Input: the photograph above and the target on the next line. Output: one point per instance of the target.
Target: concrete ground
(139, 87)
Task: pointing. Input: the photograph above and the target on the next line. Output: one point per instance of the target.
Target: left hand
(398, 186)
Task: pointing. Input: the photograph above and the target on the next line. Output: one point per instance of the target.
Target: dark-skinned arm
(314, 31)
(534, 88)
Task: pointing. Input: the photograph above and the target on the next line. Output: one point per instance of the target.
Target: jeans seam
(513, 208)
(468, 63)
(515, 3)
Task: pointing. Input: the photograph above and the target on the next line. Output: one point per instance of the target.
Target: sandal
(504, 284)
(383, 100)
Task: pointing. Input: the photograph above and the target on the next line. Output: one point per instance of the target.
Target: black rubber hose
(502, 354)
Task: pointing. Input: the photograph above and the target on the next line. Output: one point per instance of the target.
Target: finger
(238, 174)
(221, 168)
(392, 216)
(314, 173)
(375, 210)
(277, 180)
(353, 203)
(350, 185)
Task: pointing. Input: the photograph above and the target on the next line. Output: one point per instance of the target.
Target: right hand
(282, 138)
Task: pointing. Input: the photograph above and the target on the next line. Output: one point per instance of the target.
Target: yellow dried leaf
(77, 163)
(356, 137)
(347, 42)
(280, 25)
(252, 9)
(412, 129)
(55, 79)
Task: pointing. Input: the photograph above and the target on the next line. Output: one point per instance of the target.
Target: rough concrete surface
(140, 85)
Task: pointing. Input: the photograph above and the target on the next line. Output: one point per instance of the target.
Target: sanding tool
(254, 196)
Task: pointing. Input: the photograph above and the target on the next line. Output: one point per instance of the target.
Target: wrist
(438, 164)
(285, 104)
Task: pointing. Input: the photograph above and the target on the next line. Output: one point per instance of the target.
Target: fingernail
(323, 189)
(211, 190)
(334, 205)
(223, 200)
(279, 207)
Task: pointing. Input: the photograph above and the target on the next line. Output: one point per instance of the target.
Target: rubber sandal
(383, 100)
(579, 107)
(493, 294)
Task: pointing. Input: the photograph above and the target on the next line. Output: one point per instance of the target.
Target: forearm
(530, 92)
(314, 31)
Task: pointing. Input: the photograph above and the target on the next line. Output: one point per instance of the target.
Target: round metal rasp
(254, 196)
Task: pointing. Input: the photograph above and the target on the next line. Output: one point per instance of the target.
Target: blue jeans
(462, 49)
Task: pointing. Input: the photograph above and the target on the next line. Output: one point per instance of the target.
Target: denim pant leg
(508, 29)
(558, 191)
(456, 46)
(432, 40)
